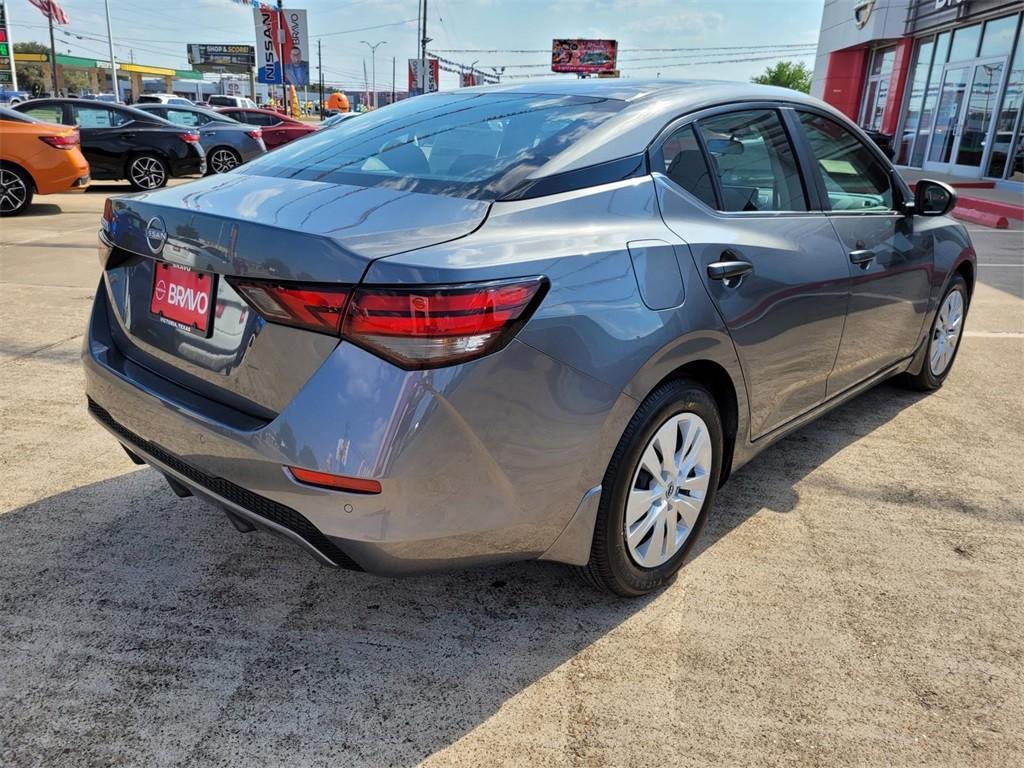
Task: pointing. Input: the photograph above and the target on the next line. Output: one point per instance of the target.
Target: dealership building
(944, 78)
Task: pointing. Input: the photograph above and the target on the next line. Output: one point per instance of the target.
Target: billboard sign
(8, 80)
(583, 57)
(424, 80)
(217, 58)
(282, 46)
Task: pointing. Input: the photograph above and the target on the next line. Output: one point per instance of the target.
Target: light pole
(373, 66)
(472, 70)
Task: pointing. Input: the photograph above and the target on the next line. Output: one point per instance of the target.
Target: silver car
(512, 322)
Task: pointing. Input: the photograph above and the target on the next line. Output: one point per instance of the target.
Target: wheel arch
(23, 169)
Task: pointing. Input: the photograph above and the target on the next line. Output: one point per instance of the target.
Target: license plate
(182, 297)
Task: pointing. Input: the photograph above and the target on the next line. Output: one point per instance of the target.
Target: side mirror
(933, 198)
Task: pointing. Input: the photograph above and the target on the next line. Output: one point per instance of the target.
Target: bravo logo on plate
(182, 297)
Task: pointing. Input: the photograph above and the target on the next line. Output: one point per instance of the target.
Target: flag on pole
(51, 10)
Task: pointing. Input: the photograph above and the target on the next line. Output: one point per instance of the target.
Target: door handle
(729, 270)
(863, 257)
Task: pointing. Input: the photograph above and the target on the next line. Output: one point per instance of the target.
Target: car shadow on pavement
(38, 210)
(137, 628)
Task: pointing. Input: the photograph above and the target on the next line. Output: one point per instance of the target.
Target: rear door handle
(862, 257)
(729, 270)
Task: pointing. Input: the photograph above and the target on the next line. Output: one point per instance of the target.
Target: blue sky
(157, 32)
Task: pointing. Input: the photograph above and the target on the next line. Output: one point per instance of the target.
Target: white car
(220, 100)
(163, 98)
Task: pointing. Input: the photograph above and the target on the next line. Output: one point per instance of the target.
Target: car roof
(649, 106)
(92, 104)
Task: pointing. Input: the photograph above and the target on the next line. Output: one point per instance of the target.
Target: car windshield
(477, 145)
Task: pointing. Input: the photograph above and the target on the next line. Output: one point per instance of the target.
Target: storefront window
(965, 43)
(998, 38)
(877, 93)
(1004, 151)
(915, 100)
(931, 96)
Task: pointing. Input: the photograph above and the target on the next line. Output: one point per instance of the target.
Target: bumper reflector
(334, 482)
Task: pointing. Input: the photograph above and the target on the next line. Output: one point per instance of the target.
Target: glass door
(963, 118)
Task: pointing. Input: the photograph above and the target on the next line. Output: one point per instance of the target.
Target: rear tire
(677, 432)
(943, 338)
(147, 172)
(16, 190)
(222, 160)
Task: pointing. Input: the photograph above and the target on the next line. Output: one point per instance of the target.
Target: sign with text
(424, 80)
(228, 58)
(282, 46)
(8, 80)
(583, 57)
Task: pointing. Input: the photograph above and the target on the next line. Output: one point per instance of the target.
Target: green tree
(787, 74)
(31, 76)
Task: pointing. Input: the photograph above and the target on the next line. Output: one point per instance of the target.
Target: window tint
(98, 117)
(478, 145)
(754, 162)
(854, 178)
(182, 117)
(48, 113)
(258, 118)
(685, 164)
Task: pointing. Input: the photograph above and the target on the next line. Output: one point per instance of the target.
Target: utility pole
(281, 31)
(320, 73)
(392, 79)
(373, 60)
(53, 54)
(423, 50)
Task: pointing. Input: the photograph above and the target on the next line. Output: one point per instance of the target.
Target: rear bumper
(480, 463)
(193, 164)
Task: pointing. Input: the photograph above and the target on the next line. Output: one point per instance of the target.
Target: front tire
(943, 338)
(16, 190)
(657, 490)
(147, 172)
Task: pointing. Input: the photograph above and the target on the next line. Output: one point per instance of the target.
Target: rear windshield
(466, 145)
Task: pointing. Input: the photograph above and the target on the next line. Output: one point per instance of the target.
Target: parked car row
(162, 137)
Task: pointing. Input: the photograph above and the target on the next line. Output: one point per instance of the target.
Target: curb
(975, 216)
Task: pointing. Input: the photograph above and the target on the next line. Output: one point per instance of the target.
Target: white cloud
(686, 23)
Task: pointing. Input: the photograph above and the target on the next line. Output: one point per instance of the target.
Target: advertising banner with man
(583, 57)
(282, 46)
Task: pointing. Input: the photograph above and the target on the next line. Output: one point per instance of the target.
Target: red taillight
(335, 482)
(190, 138)
(429, 326)
(416, 327)
(66, 141)
(314, 307)
(256, 133)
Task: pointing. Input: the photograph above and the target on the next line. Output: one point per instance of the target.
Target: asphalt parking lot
(858, 599)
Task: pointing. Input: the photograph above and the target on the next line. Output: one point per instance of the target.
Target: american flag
(51, 10)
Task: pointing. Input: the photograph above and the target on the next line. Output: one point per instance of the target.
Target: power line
(630, 50)
(671, 66)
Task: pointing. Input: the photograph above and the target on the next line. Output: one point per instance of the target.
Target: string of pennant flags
(256, 4)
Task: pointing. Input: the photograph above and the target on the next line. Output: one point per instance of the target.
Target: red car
(277, 128)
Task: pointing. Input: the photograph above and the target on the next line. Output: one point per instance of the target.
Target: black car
(228, 143)
(125, 143)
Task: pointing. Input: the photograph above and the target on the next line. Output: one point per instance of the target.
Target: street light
(373, 66)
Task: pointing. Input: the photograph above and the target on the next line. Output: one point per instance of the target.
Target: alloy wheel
(946, 332)
(13, 191)
(668, 490)
(223, 160)
(147, 172)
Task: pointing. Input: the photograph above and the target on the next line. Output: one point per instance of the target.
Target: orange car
(37, 157)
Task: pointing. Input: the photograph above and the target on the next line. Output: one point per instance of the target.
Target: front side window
(98, 117)
(478, 145)
(754, 162)
(684, 163)
(854, 178)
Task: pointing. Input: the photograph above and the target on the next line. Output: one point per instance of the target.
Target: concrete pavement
(857, 599)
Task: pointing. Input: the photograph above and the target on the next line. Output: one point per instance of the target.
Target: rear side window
(221, 101)
(477, 145)
(754, 162)
(183, 117)
(48, 113)
(258, 118)
(685, 164)
(854, 178)
(98, 117)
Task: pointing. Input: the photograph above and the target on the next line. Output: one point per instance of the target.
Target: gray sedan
(530, 321)
(228, 143)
